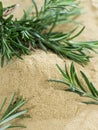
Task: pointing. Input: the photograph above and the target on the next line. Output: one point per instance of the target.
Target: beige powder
(51, 108)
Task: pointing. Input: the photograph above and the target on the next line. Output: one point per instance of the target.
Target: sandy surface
(51, 108)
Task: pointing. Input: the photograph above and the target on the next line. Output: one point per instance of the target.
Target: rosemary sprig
(36, 29)
(11, 112)
(74, 83)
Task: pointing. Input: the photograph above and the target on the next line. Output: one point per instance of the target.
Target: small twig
(9, 10)
(71, 79)
(12, 112)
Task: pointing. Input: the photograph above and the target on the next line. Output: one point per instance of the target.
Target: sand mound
(51, 108)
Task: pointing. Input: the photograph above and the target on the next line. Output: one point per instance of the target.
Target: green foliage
(11, 112)
(36, 29)
(75, 84)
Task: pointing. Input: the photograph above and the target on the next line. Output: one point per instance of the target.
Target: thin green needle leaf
(1, 10)
(58, 81)
(77, 33)
(94, 89)
(5, 127)
(3, 104)
(10, 102)
(54, 24)
(36, 9)
(62, 72)
(72, 73)
(42, 46)
(68, 75)
(12, 117)
(88, 84)
(79, 83)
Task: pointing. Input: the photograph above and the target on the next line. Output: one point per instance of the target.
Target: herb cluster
(36, 29)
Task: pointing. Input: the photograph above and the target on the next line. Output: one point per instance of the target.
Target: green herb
(36, 29)
(11, 112)
(74, 83)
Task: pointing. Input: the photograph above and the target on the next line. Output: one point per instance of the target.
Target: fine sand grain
(52, 108)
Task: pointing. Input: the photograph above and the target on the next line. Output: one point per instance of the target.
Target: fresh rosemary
(11, 112)
(36, 29)
(74, 83)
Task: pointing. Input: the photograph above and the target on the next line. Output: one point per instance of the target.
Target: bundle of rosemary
(36, 30)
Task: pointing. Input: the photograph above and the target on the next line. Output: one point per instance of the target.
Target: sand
(51, 107)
